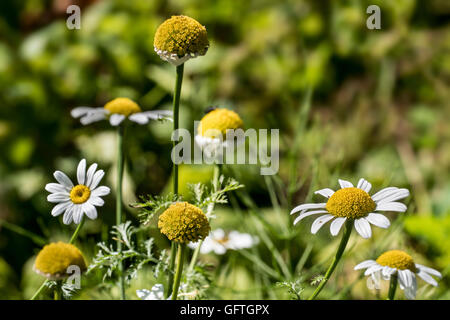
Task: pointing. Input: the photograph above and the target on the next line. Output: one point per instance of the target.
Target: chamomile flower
(55, 258)
(179, 39)
(400, 264)
(76, 200)
(117, 111)
(183, 222)
(219, 242)
(156, 293)
(353, 203)
(212, 129)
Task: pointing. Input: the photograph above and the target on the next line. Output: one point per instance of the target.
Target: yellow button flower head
(180, 38)
(219, 121)
(400, 264)
(123, 106)
(54, 259)
(183, 222)
(211, 131)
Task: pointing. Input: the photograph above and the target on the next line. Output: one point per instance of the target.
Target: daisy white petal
(327, 192)
(319, 222)
(92, 117)
(96, 201)
(308, 206)
(396, 195)
(96, 179)
(410, 292)
(60, 208)
(307, 214)
(79, 111)
(90, 210)
(63, 179)
(139, 118)
(159, 114)
(391, 206)
(336, 225)
(372, 269)
(67, 218)
(383, 193)
(387, 272)
(427, 278)
(362, 226)
(405, 278)
(55, 188)
(429, 270)
(77, 213)
(379, 220)
(365, 264)
(345, 184)
(90, 174)
(364, 185)
(115, 119)
(58, 197)
(100, 191)
(81, 171)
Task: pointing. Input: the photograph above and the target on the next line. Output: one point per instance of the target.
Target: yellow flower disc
(54, 259)
(80, 194)
(220, 119)
(397, 259)
(183, 222)
(350, 203)
(122, 106)
(181, 35)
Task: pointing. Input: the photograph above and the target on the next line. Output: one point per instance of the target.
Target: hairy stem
(120, 167)
(179, 271)
(176, 108)
(392, 287)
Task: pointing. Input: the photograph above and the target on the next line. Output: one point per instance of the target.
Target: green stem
(179, 271)
(77, 230)
(176, 108)
(23, 232)
(216, 175)
(392, 287)
(120, 167)
(340, 251)
(72, 240)
(57, 292)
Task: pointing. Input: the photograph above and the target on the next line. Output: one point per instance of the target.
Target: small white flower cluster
(219, 242)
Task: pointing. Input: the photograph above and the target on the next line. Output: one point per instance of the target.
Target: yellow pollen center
(350, 203)
(218, 122)
(54, 259)
(122, 106)
(80, 194)
(397, 259)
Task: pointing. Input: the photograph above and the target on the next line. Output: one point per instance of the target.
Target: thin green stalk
(57, 292)
(72, 240)
(179, 271)
(392, 287)
(176, 108)
(334, 263)
(120, 167)
(77, 230)
(209, 211)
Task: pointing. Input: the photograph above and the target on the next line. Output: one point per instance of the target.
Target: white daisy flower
(355, 204)
(76, 200)
(400, 264)
(219, 242)
(117, 111)
(156, 293)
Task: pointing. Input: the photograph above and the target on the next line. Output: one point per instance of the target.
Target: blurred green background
(378, 109)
